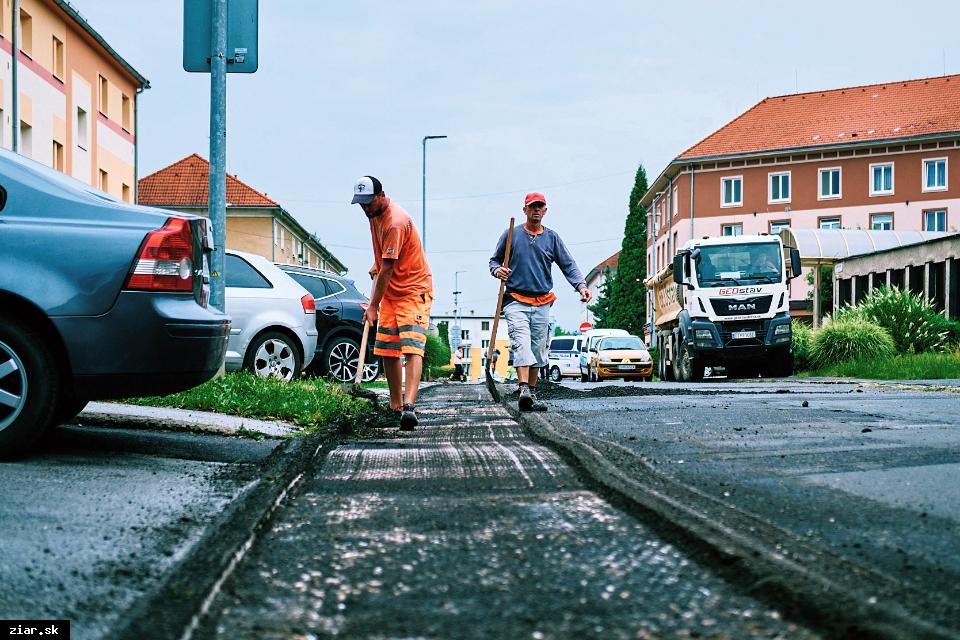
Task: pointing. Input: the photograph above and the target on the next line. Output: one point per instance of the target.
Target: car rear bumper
(157, 344)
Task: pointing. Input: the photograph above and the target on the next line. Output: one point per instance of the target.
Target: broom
(491, 385)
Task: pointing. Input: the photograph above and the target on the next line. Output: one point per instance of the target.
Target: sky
(567, 98)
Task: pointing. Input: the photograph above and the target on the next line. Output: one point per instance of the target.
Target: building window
(26, 139)
(464, 334)
(935, 174)
(830, 183)
(731, 190)
(58, 156)
(484, 344)
(26, 33)
(283, 241)
(881, 221)
(125, 190)
(57, 58)
(104, 95)
(676, 201)
(779, 187)
(125, 113)
(881, 179)
(82, 128)
(777, 226)
(104, 180)
(731, 230)
(484, 325)
(830, 223)
(935, 220)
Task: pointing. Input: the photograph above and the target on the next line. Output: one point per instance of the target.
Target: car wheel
(555, 374)
(340, 359)
(273, 355)
(68, 409)
(29, 387)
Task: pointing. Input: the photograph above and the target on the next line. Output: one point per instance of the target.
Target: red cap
(535, 196)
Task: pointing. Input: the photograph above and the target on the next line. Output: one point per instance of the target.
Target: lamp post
(456, 309)
(423, 226)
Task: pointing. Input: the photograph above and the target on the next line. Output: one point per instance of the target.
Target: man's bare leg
(523, 374)
(532, 376)
(414, 370)
(391, 367)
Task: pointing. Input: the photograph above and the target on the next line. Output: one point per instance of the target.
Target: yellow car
(620, 357)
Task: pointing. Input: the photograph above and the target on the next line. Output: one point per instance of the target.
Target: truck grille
(742, 307)
(729, 328)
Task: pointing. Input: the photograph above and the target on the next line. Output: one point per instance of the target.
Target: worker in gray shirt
(529, 295)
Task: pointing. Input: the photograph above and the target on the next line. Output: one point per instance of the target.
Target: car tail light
(309, 304)
(166, 259)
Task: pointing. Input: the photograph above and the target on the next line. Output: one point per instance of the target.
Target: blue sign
(241, 35)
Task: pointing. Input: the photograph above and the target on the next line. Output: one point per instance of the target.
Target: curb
(173, 609)
(161, 419)
(848, 599)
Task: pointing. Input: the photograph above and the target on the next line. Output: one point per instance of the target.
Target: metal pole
(217, 202)
(423, 191)
(14, 73)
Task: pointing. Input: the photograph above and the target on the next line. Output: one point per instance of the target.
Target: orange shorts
(402, 326)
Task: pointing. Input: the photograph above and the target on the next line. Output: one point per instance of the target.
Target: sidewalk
(466, 528)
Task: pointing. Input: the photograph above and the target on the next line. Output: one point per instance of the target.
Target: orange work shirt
(395, 238)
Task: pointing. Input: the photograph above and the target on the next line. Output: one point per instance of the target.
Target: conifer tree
(628, 296)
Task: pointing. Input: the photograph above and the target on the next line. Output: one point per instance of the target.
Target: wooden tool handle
(362, 357)
(503, 285)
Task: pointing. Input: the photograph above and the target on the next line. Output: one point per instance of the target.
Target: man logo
(750, 306)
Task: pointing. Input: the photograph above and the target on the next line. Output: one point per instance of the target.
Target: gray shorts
(528, 327)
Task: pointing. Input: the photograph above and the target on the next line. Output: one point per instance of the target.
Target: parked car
(99, 299)
(620, 357)
(340, 307)
(274, 329)
(564, 357)
(588, 343)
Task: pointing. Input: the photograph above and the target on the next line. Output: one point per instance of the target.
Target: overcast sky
(561, 97)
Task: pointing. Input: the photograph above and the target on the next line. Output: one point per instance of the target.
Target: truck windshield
(736, 264)
(627, 342)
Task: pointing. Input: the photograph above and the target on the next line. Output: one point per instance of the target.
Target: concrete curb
(173, 609)
(112, 414)
(835, 593)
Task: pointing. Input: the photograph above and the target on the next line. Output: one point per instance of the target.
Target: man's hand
(585, 295)
(373, 272)
(502, 272)
(370, 315)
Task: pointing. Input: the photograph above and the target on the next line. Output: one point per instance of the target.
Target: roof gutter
(15, 64)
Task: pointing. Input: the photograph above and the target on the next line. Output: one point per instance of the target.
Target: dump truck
(725, 303)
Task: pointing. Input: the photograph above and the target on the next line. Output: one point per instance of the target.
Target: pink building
(883, 157)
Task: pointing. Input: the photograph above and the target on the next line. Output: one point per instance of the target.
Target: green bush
(802, 336)
(436, 353)
(916, 327)
(850, 339)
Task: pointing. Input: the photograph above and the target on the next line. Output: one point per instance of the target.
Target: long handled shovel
(491, 385)
(355, 389)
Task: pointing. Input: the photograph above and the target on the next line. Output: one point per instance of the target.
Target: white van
(589, 342)
(563, 357)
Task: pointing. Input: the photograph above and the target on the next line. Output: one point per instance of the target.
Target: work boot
(535, 404)
(525, 402)
(408, 419)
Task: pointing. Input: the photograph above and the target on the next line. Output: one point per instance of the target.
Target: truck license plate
(626, 367)
(740, 335)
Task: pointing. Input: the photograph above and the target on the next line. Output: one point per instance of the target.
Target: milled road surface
(468, 529)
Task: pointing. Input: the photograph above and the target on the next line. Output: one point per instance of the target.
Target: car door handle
(328, 311)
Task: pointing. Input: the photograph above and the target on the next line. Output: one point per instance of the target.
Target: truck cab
(725, 302)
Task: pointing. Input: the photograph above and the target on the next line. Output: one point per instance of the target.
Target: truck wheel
(687, 369)
(666, 371)
(555, 374)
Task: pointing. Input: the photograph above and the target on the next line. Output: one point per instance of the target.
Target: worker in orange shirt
(402, 295)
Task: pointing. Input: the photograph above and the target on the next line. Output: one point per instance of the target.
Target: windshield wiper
(760, 276)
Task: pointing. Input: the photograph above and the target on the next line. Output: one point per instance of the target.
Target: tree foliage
(601, 308)
(628, 296)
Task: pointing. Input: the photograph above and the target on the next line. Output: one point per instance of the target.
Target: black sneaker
(408, 419)
(387, 419)
(525, 402)
(535, 404)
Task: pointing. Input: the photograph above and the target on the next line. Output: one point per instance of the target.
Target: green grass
(906, 366)
(310, 404)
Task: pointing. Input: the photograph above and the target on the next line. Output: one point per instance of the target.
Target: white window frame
(893, 178)
(725, 179)
(676, 201)
(839, 220)
(881, 213)
(820, 173)
(946, 174)
(778, 174)
(785, 223)
(937, 210)
(732, 226)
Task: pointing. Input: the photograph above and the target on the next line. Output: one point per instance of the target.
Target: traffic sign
(586, 326)
(241, 36)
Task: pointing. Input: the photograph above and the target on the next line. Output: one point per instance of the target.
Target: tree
(443, 328)
(628, 296)
(601, 309)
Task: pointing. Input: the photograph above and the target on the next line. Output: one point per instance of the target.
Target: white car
(564, 357)
(274, 326)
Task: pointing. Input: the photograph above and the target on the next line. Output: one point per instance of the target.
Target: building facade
(884, 157)
(475, 335)
(70, 102)
(596, 279)
(255, 223)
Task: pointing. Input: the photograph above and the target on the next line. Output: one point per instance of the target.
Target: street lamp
(423, 229)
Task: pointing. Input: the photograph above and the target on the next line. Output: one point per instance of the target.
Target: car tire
(340, 361)
(274, 354)
(29, 387)
(69, 407)
(555, 374)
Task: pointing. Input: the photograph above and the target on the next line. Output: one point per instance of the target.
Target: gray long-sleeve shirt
(531, 259)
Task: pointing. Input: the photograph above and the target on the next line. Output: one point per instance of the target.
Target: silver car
(274, 329)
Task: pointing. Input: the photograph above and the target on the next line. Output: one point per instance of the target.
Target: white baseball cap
(364, 189)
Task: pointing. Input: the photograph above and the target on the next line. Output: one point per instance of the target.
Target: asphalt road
(869, 471)
(93, 519)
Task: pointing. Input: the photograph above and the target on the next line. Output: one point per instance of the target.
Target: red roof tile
(609, 262)
(854, 114)
(187, 183)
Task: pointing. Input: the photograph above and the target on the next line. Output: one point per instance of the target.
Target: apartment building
(255, 223)
(596, 279)
(70, 101)
(475, 334)
(882, 157)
